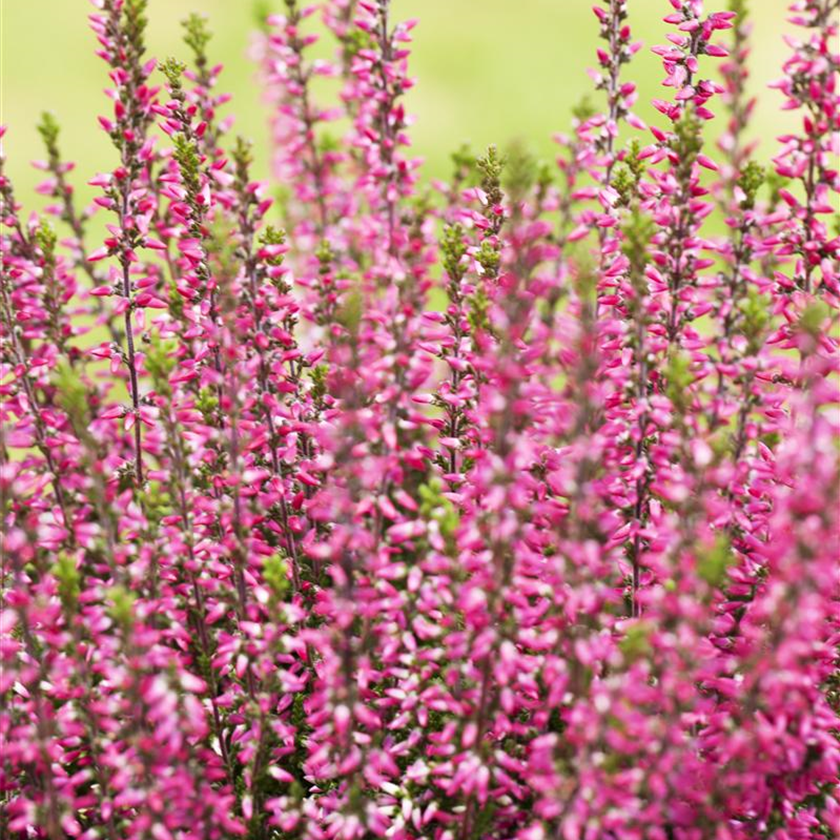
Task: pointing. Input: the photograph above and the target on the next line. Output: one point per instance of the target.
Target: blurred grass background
(487, 70)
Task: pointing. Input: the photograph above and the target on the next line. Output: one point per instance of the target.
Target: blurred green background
(487, 71)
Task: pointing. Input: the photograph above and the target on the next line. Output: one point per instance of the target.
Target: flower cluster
(500, 508)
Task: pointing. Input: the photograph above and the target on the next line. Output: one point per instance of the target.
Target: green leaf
(49, 130)
(750, 181)
(121, 609)
(69, 581)
(520, 172)
(755, 309)
(713, 562)
(452, 249)
(350, 314)
(490, 165)
(276, 574)
(173, 70)
(196, 36)
(636, 642)
(812, 319)
(71, 395)
(160, 361)
(679, 379)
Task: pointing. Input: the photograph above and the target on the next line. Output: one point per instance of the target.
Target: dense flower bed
(500, 508)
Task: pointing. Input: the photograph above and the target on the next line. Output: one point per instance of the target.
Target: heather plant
(350, 505)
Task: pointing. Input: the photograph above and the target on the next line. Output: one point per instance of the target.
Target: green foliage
(491, 165)
(273, 236)
(126, 477)
(636, 642)
(174, 70)
(628, 175)
(520, 171)
(49, 130)
(452, 250)
(775, 183)
(678, 378)
(197, 36)
(772, 439)
(354, 42)
(176, 302)
(755, 318)
(687, 143)
(328, 143)
(750, 181)
(350, 313)
(479, 309)
(485, 820)
(69, 581)
(326, 256)
(713, 562)
(638, 228)
(46, 240)
(276, 574)
(813, 318)
(243, 158)
(585, 281)
(545, 178)
(435, 506)
(221, 244)
(489, 258)
(741, 11)
(121, 608)
(207, 403)
(189, 162)
(318, 375)
(135, 22)
(72, 396)
(584, 109)
(463, 161)
(157, 501)
(260, 10)
(160, 361)
(832, 690)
